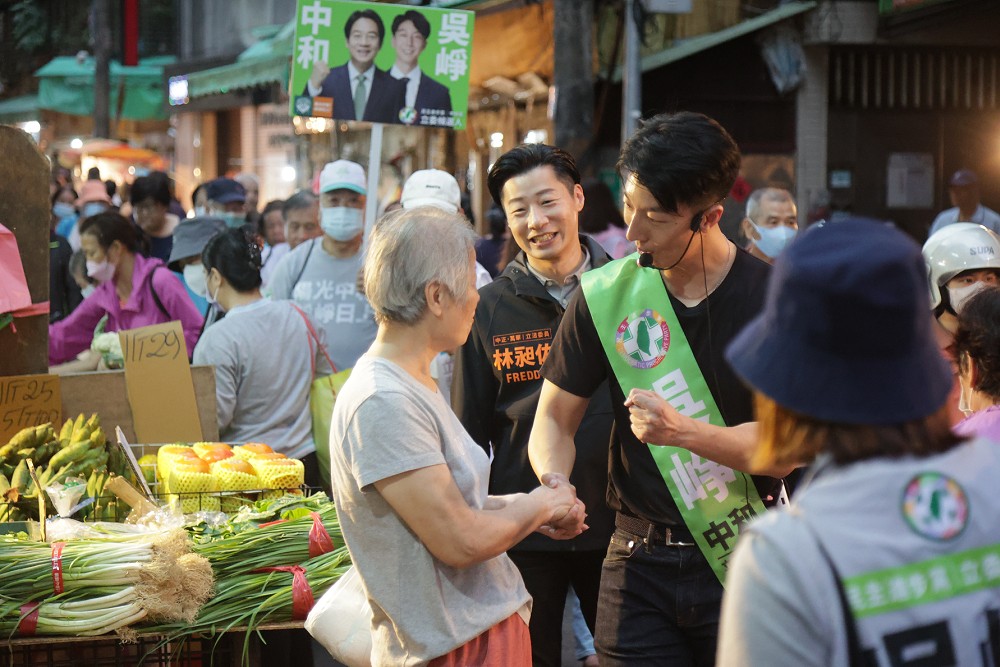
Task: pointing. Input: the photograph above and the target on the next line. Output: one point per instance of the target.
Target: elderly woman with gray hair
(410, 483)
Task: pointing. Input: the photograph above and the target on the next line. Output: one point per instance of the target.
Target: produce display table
(109, 651)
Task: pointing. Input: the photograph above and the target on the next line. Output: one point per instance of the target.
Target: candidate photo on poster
(424, 96)
(359, 89)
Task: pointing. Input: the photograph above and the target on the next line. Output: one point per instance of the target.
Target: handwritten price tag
(28, 400)
(158, 381)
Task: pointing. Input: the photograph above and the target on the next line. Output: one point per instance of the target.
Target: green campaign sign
(381, 63)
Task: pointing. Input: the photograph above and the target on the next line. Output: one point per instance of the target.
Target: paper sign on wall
(28, 400)
(158, 382)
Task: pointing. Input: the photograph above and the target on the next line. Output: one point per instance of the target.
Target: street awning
(19, 109)
(66, 85)
(264, 63)
(689, 47)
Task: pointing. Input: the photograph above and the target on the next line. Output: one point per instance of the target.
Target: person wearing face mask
(93, 199)
(321, 274)
(961, 259)
(133, 291)
(63, 212)
(185, 258)
(199, 199)
(977, 351)
(770, 224)
(249, 407)
(224, 199)
(64, 295)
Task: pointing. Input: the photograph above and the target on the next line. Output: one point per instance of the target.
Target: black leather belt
(654, 532)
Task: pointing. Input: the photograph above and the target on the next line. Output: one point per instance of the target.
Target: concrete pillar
(811, 110)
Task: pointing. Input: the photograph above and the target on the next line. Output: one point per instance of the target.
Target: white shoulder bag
(341, 620)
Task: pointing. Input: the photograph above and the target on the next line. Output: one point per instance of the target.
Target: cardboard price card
(158, 382)
(28, 400)
(382, 63)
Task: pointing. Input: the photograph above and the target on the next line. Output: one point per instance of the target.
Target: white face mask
(959, 295)
(102, 272)
(341, 223)
(196, 279)
(773, 239)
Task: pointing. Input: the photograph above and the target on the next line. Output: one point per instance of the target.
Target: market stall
(127, 534)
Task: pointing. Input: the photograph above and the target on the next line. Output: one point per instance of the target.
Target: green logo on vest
(935, 506)
(643, 339)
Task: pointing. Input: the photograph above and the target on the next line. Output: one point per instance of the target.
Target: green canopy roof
(19, 109)
(267, 61)
(66, 85)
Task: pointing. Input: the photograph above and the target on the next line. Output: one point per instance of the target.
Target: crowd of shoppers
(631, 389)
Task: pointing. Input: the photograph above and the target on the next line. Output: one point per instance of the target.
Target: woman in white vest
(890, 554)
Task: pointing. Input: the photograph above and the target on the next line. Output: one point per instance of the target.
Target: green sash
(646, 346)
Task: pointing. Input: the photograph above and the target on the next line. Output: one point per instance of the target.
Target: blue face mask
(92, 208)
(773, 239)
(232, 219)
(63, 210)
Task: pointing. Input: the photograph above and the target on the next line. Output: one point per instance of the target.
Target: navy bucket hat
(845, 335)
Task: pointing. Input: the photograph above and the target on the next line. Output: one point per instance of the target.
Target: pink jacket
(69, 337)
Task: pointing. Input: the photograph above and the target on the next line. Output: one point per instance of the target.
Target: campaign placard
(381, 63)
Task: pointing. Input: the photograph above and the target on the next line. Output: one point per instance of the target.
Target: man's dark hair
(526, 157)
(301, 199)
(418, 20)
(682, 158)
(155, 187)
(365, 14)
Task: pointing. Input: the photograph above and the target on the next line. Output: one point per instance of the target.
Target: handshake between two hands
(568, 511)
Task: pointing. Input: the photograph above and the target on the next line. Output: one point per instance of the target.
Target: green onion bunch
(71, 614)
(285, 543)
(26, 567)
(252, 599)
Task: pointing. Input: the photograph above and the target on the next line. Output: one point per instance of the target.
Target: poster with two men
(381, 63)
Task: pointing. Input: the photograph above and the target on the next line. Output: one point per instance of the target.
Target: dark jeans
(659, 605)
(547, 576)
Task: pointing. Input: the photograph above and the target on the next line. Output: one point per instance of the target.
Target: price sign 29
(158, 382)
(138, 346)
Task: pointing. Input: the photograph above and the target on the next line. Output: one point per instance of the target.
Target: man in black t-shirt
(660, 595)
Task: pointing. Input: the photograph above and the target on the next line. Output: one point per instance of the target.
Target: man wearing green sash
(655, 325)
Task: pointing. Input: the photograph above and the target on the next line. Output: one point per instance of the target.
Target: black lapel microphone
(646, 261)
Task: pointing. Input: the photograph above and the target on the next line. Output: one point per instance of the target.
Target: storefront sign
(158, 382)
(28, 400)
(382, 63)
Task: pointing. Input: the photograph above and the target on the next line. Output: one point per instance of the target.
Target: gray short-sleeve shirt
(385, 423)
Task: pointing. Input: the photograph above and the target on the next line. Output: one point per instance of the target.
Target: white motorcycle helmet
(955, 248)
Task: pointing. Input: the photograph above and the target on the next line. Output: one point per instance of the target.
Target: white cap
(343, 175)
(431, 187)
